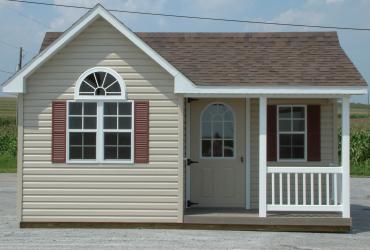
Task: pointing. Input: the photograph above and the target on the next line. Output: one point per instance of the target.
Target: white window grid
(291, 132)
(81, 130)
(118, 130)
(100, 133)
(100, 85)
(211, 139)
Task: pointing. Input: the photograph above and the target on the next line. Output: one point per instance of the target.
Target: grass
(8, 164)
(361, 169)
(7, 107)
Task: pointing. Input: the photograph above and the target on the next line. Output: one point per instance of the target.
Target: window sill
(131, 162)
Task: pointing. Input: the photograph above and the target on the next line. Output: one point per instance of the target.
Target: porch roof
(271, 59)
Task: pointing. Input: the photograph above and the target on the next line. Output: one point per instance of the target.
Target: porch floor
(242, 217)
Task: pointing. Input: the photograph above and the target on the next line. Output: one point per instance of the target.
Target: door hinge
(189, 162)
(192, 99)
(189, 203)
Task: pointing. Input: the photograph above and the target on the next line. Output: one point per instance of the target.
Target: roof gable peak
(16, 84)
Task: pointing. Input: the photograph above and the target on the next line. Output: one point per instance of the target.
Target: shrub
(8, 137)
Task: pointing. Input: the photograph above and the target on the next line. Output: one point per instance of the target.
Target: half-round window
(217, 131)
(101, 83)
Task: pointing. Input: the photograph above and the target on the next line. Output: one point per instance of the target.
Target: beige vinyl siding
(328, 139)
(102, 192)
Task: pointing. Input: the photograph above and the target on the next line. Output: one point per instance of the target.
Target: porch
(249, 219)
(291, 194)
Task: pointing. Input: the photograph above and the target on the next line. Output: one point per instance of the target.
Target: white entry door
(218, 145)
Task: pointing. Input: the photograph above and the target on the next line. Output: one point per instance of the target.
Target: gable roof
(254, 59)
(308, 63)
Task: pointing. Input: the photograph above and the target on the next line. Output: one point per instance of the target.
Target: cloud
(301, 16)
(220, 5)
(334, 1)
(324, 2)
(69, 15)
(4, 4)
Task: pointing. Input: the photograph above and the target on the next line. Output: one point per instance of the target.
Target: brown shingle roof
(252, 59)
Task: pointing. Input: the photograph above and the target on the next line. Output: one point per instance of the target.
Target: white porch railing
(314, 183)
(311, 189)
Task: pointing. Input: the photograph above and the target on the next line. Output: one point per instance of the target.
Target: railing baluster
(273, 189)
(288, 187)
(281, 188)
(328, 197)
(304, 188)
(335, 190)
(296, 188)
(312, 190)
(319, 183)
(327, 190)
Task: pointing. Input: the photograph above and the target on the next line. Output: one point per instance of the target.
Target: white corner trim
(248, 162)
(16, 83)
(190, 89)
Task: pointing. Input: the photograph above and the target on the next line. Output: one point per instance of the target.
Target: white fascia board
(189, 89)
(16, 83)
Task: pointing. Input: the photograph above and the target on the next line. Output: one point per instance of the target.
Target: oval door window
(217, 131)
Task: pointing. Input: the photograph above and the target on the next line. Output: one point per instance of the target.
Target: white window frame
(118, 130)
(114, 73)
(100, 133)
(211, 139)
(278, 132)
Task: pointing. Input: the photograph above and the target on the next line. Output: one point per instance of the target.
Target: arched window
(217, 131)
(100, 129)
(100, 83)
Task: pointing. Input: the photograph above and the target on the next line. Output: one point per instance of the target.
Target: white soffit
(190, 89)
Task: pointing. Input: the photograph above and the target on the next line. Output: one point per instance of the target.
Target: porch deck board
(234, 216)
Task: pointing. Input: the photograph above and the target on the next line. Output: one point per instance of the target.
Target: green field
(360, 137)
(8, 132)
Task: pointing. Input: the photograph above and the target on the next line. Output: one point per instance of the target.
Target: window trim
(278, 133)
(201, 134)
(114, 73)
(100, 134)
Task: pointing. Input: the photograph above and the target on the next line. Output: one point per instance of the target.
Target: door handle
(241, 158)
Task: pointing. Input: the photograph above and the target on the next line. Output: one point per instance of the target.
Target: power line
(7, 72)
(9, 45)
(15, 47)
(29, 17)
(199, 17)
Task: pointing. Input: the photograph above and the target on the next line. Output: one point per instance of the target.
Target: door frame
(247, 153)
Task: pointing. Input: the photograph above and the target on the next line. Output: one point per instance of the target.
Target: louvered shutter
(271, 133)
(141, 131)
(59, 132)
(313, 133)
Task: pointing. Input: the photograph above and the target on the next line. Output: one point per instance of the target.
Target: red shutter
(271, 133)
(313, 133)
(141, 131)
(58, 152)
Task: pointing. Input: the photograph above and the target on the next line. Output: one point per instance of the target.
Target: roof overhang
(16, 84)
(192, 90)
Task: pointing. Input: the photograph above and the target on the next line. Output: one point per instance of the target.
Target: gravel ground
(11, 237)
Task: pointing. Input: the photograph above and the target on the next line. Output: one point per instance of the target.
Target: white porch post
(345, 157)
(262, 156)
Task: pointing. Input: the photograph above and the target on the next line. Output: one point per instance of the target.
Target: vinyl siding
(102, 192)
(328, 139)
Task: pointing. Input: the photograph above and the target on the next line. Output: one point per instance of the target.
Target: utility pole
(20, 58)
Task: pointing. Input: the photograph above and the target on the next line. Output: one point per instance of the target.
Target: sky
(25, 25)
